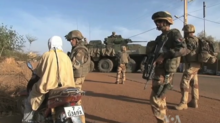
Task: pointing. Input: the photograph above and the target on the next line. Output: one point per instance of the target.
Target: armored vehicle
(103, 55)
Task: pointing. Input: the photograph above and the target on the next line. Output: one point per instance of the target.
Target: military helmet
(74, 34)
(162, 15)
(113, 32)
(189, 28)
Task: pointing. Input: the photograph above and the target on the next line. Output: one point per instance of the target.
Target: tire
(92, 65)
(105, 65)
(131, 66)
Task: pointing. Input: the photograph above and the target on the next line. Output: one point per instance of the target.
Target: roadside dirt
(106, 102)
(13, 77)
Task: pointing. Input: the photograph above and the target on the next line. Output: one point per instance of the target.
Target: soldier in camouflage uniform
(80, 58)
(113, 34)
(190, 75)
(167, 63)
(123, 59)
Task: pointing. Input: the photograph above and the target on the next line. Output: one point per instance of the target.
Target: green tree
(10, 39)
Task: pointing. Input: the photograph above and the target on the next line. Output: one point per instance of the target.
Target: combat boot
(181, 106)
(161, 121)
(123, 82)
(116, 82)
(193, 103)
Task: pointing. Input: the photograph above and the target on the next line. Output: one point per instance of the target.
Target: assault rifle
(149, 65)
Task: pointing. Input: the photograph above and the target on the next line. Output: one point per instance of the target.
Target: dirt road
(209, 85)
(106, 102)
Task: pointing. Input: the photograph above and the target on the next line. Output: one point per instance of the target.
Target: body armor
(84, 68)
(193, 46)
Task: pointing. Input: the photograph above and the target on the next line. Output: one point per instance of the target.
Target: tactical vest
(170, 65)
(193, 46)
(84, 67)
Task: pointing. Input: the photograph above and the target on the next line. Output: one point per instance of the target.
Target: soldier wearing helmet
(113, 35)
(80, 58)
(166, 64)
(190, 75)
(123, 59)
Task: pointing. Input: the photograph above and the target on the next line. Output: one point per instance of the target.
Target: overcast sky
(45, 18)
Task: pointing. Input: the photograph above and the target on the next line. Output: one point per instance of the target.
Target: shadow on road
(95, 119)
(175, 90)
(132, 80)
(99, 82)
(121, 98)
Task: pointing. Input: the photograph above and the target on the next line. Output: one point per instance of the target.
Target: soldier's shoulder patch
(180, 39)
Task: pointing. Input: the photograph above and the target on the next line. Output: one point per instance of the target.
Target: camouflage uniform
(80, 58)
(190, 75)
(174, 48)
(123, 59)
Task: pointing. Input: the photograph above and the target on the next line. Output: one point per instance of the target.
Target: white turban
(55, 41)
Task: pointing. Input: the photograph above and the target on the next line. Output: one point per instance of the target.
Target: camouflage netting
(97, 52)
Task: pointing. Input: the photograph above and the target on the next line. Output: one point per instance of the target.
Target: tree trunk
(30, 47)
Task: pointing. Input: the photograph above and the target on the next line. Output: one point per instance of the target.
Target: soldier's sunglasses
(71, 39)
(159, 21)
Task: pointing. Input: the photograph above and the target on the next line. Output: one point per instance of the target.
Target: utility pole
(204, 16)
(185, 12)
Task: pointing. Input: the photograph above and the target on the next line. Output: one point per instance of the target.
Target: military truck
(103, 55)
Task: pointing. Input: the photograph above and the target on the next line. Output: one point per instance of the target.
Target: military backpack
(207, 52)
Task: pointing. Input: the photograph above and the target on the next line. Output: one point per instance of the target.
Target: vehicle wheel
(92, 65)
(131, 66)
(105, 65)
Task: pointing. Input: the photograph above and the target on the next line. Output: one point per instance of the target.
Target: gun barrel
(139, 41)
